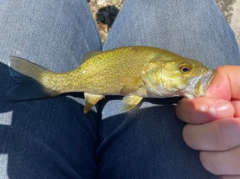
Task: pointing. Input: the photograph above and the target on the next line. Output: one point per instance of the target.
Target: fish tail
(28, 76)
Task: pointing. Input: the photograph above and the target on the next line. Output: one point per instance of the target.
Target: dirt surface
(105, 11)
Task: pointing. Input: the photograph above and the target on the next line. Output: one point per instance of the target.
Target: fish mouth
(199, 85)
(207, 78)
(204, 83)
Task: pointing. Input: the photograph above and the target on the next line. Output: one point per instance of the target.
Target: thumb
(226, 83)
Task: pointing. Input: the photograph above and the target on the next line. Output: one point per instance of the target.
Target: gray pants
(52, 138)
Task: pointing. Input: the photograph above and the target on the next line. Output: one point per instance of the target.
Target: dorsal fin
(90, 55)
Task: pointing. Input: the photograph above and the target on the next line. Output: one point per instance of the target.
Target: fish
(134, 72)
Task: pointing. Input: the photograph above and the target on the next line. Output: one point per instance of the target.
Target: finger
(218, 135)
(226, 83)
(222, 163)
(202, 110)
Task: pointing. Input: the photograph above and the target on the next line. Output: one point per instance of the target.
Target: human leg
(147, 143)
(49, 138)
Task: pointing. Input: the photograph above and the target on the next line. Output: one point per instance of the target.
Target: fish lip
(199, 85)
(207, 78)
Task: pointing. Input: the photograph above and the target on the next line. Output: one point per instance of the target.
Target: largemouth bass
(135, 72)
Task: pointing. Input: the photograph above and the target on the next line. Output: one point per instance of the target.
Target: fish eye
(185, 68)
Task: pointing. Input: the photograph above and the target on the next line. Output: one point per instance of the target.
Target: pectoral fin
(91, 100)
(129, 102)
(130, 81)
(130, 84)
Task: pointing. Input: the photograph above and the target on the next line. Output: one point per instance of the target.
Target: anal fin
(91, 100)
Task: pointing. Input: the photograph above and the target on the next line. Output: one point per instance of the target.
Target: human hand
(214, 123)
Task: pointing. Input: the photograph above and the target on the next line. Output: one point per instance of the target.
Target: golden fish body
(134, 72)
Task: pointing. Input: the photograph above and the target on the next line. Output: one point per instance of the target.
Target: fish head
(178, 77)
(191, 78)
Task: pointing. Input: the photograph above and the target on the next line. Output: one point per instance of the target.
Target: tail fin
(27, 74)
